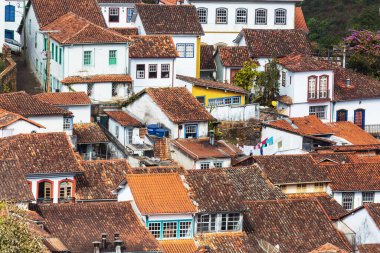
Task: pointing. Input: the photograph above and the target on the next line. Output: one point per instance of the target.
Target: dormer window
(221, 222)
(66, 190)
(261, 17)
(45, 191)
(221, 16)
(114, 15)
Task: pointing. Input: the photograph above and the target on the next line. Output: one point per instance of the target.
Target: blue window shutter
(9, 13)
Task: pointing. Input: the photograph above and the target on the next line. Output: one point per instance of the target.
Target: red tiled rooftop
(352, 133)
(89, 133)
(123, 118)
(97, 79)
(8, 118)
(304, 63)
(300, 22)
(64, 98)
(158, 46)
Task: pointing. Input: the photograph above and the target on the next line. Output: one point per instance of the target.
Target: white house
(118, 14)
(169, 217)
(13, 13)
(13, 124)
(76, 102)
(179, 21)
(152, 61)
(174, 110)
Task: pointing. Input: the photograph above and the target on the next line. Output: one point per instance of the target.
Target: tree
(15, 235)
(246, 76)
(267, 86)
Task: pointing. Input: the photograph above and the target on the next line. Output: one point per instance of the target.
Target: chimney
(212, 137)
(348, 82)
(96, 246)
(118, 244)
(104, 240)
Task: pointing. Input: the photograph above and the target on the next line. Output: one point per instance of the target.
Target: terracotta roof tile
(290, 169)
(304, 63)
(88, 133)
(276, 43)
(234, 56)
(207, 57)
(230, 242)
(8, 118)
(211, 84)
(27, 105)
(78, 225)
(349, 148)
(97, 79)
(329, 248)
(42, 153)
(178, 19)
(352, 133)
(373, 210)
(160, 193)
(178, 246)
(218, 196)
(64, 98)
(126, 31)
(55, 245)
(300, 22)
(283, 223)
(369, 248)
(179, 105)
(159, 46)
(100, 178)
(13, 186)
(123, 118)
(157, 169)
(119, 1)
(49, 10)
(361, 86)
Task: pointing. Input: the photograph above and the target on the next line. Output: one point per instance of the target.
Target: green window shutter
(45, 44)
(112, 57)
(52, 51)
(56, 53)
(60, 55)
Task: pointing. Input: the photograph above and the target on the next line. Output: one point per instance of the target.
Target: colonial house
(208, 66)
(13, 124)
(168, 212)
(13, 11)
(181, 22)
(76, 102)
(174, 110)
(152, 62)
(53, 118)
(118, 14)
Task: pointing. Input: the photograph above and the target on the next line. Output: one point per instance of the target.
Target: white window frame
(204, 165)
(140, 74)
(217, 163)
(261, 16)
(280, 16)
(67, 123)
(348, 205)
(221, 13)
(185, 50)
(202, 16)
(315, 110)
(165, 68)
(87, 58)
(152, 68)
(365, 197)
(243, 16)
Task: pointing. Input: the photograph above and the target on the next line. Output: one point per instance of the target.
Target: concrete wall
(122, 13)
(357, 198)
(291, 143)
(235, 113)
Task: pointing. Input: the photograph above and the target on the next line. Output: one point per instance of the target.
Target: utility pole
(48, 57)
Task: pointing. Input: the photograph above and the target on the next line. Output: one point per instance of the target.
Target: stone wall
(8, 75)
(161, 148)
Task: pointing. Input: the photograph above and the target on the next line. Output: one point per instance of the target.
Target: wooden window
(165, 70)
(348, 200)
(312, 87)
(191, 131)
(60, 55)
(261, 17)
(45, 191)
(341, 115)
(221, 16)
(87, 58)
(129, 135)
(319, 111)
(129, 14)
(206, 223)
(205, 166)
(280, 17)
(359, 117)
(65, 190)
(185, 229)
(140, 71)
(202, 15)
(301, 188)
(319, 187)
(230, 222)
(169, 230)
(152, 71)
(323, 86)
(155, 229)
(241, 16)
(113, 15)
(117, 131)
(112, 57)
(368, 197)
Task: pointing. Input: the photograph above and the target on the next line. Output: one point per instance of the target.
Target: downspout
(198, 67)
(173, 72)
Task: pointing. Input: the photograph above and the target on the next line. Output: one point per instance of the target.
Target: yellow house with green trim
(212, 93)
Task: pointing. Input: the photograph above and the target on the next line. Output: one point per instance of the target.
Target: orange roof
(175, 246)
(7, 118)
(352, 133)
(328, 248)
(64, 98)
(300, 22)
(97, 79)
(160, 193)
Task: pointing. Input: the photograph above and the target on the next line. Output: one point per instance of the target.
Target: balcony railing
(44, 200)
(373, 129)
(319, 95)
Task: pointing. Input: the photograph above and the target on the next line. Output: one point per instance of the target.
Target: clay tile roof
(160, 193)
(308, 125)
(100, 178)
(97, 79)
(289, 169)
(13, 186)
(218, 196)
(304, 63)
(178, 246)
(211, 84)
(329, 248)
(373, 210)
(55, 245)
(276, 43)
(126, 31)
(207, 57)
(179, 105)
(42, 153)
(74, 29)
(8, 118)
(178, 19)
(88, 133)
(344, 177)
(49, 10)
(64, 98)
(123, 118)
(349, 148)
(78, 225)
(234, 56)
(119, 1)
(352, 133)
(27, 105)
(361, 86)
(283, 223)
(369, 248)
(160, 46)
(157, 169)
(230, 242)
(300, 22)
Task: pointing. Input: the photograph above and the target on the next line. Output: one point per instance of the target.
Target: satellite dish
(267, 247)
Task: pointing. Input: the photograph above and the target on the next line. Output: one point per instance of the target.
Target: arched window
(221, 16)
(66, 190)
(9, 13)
(45, 191)
(341, 115)
(202, 15)
(323, 86)
(312, 87)
(261, 17)
(241, 16)
(280, 17)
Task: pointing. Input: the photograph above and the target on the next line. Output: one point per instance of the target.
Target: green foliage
(6, 88)
(15, 235)
(267, 84)
(246, 76)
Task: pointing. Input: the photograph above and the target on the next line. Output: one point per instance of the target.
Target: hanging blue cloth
(270, 141)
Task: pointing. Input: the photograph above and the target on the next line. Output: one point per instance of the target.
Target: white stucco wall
(82, 113)
(51, 123)
(291, 143)
(122, 14)
(186, 66)
(19, 127)
(371, 107)
(112, 124)
(357, 198)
